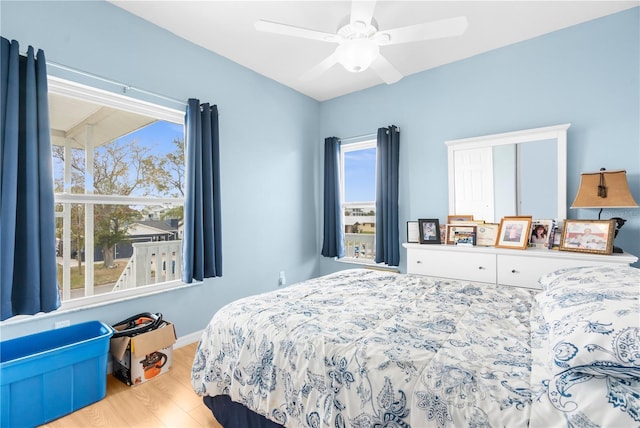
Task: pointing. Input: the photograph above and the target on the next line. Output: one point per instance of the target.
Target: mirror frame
(557, 132)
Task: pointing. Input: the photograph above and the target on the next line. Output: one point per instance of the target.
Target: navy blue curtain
(333, 242)
(202, 237)
(388, 159)
(28, 267)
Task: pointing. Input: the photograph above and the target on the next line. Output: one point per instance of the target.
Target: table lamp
(605, 189)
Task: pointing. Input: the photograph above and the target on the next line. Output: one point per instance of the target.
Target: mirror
(515, 173)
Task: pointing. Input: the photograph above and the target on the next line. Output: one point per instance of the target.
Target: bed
(367, 348)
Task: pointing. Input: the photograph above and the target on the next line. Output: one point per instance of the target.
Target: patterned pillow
(590, 276)
(593, 316)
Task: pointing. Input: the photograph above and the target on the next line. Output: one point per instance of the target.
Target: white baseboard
(188, 339)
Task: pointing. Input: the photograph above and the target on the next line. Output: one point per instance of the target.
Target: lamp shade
(604, 189)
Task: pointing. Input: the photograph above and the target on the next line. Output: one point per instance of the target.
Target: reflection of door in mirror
(514, 173)
(474, 182)
(506, 180)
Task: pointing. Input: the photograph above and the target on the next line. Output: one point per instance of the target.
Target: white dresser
(519, 268)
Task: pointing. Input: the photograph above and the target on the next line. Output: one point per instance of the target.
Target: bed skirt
(234, 415)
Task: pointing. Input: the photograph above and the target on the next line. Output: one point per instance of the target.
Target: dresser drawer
(449, 264)
(500, 266)
(523, 271)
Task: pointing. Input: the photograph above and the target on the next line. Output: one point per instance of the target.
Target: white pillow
(593, 319)
(590, 276)
(593, 315)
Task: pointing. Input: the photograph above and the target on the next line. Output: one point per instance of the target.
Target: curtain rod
(125, 87)
(365, 136)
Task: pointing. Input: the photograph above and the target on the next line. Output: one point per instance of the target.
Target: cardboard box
(141, 358)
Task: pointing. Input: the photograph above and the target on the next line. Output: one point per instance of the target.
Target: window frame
(346, 148)
(83, 92)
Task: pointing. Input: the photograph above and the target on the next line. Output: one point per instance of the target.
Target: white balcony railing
(151, 263)
(360, 246)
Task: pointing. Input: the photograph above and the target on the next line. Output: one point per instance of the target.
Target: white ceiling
(227, 28)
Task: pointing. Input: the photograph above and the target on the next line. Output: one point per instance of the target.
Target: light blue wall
(271, 136)
(587, 75)
(268, 133)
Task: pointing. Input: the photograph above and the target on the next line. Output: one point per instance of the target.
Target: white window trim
(369, 143)
(350, 147)
(368, 264)
(92, 198)
(360, 145)
(68, 88)
(76, 90)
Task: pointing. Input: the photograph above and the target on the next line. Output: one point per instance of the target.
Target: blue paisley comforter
(364, 348)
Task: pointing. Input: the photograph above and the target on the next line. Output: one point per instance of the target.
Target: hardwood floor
(166, 401)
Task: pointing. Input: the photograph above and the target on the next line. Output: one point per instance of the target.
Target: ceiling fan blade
(385, 70)
(449, 27)
(317, 70)
(362, 11)
(290, 30)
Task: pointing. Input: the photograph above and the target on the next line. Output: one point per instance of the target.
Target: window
(358, 162)
(119, 190)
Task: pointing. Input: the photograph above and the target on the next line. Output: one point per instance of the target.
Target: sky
(360, 175)
(158, 137)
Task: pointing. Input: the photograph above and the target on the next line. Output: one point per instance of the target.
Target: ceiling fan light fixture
(356, 55)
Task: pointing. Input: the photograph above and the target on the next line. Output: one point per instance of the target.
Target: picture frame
(464, 238)
(413, 232)
(451, 219)
(588, 236)
(514, 232)
(453, 228)
(486, 234)
(557, 234)
(429, 230)
(541, 234)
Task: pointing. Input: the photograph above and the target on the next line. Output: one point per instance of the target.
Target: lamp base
(619, 223)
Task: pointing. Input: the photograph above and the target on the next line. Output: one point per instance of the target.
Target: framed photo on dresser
(588, 236)
(514, 232)
(413, 232)
(459, 218)
(487, 234)
(429, 230)
(459, 229)
(541, 234)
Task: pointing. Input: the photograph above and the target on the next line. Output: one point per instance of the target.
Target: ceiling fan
(359, 40)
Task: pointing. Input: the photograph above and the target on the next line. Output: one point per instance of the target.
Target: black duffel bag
(138, 324)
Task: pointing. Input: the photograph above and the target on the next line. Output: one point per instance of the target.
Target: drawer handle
(514, 271)
(481, 267)
(419, 262)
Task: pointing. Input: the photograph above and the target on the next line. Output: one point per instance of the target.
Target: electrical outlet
(282, 279)
(60, 324)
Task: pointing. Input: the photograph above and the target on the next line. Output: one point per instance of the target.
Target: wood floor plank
(165, 401)
(203, 415)
(184, 356)
(182, 394)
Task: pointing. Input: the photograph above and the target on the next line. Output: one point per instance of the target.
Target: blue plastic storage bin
(50, 374)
